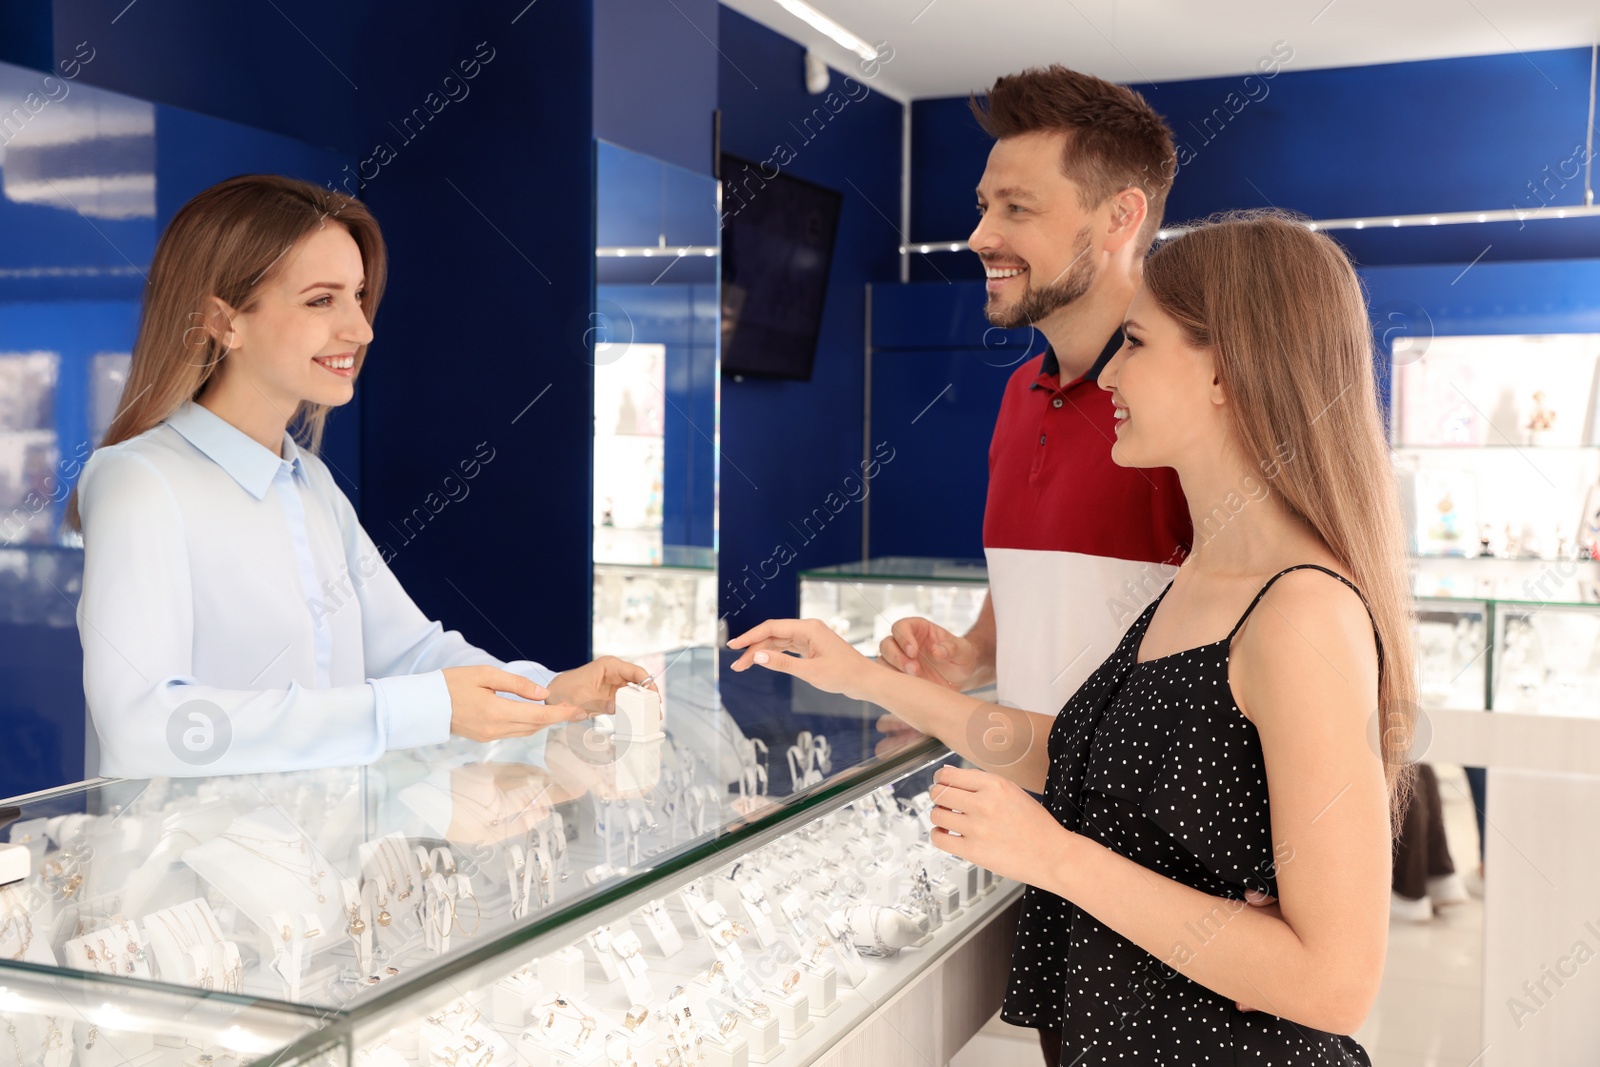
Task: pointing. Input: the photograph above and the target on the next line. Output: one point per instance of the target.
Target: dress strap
(1324, 570)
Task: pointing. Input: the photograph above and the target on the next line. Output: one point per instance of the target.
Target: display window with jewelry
(334, 906)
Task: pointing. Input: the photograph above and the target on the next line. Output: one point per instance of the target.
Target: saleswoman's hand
(822, 657)
(479, 713)
(593, 686)
(1001, 826)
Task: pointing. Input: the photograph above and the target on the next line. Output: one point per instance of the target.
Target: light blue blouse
(236, 618)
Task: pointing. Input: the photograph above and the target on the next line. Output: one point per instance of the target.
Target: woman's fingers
(960, 778)
(772, 628)
(506, 682)
(768, 646)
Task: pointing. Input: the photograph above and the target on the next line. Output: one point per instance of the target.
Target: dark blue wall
(787, 445)
(938, 372)
(656, 77)
(1467, 134)
(295, 67)
(489, 219)
(1425, 301)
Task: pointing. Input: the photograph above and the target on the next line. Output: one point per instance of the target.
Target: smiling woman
(211, 534)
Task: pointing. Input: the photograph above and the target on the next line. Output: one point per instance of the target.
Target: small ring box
(640, 709)
(16, 863)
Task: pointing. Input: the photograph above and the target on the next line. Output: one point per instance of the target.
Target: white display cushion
(16, 863)
(820, 982)
(762, 1036)
(791, 1009)
(562, 970)
(514, 998)
(639, 713)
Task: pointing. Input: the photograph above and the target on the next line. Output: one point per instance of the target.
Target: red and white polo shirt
(1077, 546)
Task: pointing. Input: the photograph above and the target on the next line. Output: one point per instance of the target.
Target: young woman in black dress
(1245, 743)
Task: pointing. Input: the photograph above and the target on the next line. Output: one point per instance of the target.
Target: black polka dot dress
(1155, 761)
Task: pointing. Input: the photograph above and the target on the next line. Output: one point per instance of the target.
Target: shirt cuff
(413, 709)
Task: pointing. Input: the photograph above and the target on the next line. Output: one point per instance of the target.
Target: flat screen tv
(777, 246)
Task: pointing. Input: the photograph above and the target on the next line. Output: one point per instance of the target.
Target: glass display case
(1497, 455)
(642, 609)
(637, 889)
(861, 601)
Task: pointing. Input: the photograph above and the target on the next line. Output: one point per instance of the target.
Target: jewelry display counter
(634, 890)
(861, 601)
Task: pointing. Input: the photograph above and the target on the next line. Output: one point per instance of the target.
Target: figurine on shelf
(1541, 422)
(1446, 531)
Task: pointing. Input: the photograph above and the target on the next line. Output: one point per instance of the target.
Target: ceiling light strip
(824, 25)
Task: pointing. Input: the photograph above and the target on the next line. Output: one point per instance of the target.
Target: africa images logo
(199, 732)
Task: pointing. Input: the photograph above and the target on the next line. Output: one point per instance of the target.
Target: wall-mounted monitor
(777, 246)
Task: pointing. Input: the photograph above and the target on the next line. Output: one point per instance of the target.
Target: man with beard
(1068, 206)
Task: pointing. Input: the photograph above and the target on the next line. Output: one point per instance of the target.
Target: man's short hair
(1115, 140)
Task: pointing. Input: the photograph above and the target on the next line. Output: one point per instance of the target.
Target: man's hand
(924, 650)
(593, 686)
(479, 713)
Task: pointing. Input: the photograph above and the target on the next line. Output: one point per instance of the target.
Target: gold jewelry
(791, 980)
(316, 931)
(757, 1008)
(716, 968)
(477, 910)
(15, 918)
(635, 1017)
(727, 1024)
(358, 925)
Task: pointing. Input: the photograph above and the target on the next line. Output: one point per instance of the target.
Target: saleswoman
(1220, 755)
(235, 616)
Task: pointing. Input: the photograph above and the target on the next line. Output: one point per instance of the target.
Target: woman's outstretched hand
(820, 657)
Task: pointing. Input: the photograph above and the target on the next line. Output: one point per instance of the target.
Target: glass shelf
(905, 568)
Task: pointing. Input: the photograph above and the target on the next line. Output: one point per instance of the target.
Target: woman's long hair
(1283, 311)
(225, 243)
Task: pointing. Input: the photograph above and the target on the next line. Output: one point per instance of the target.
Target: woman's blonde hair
(225, 243)
(1282, 310)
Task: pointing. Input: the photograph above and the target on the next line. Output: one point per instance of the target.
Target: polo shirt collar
(1051, 368)
(235, 451)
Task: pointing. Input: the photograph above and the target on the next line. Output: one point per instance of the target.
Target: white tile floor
(1428, 1009)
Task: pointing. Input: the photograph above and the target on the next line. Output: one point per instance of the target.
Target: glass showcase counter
(605, 893)
(861, 601)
